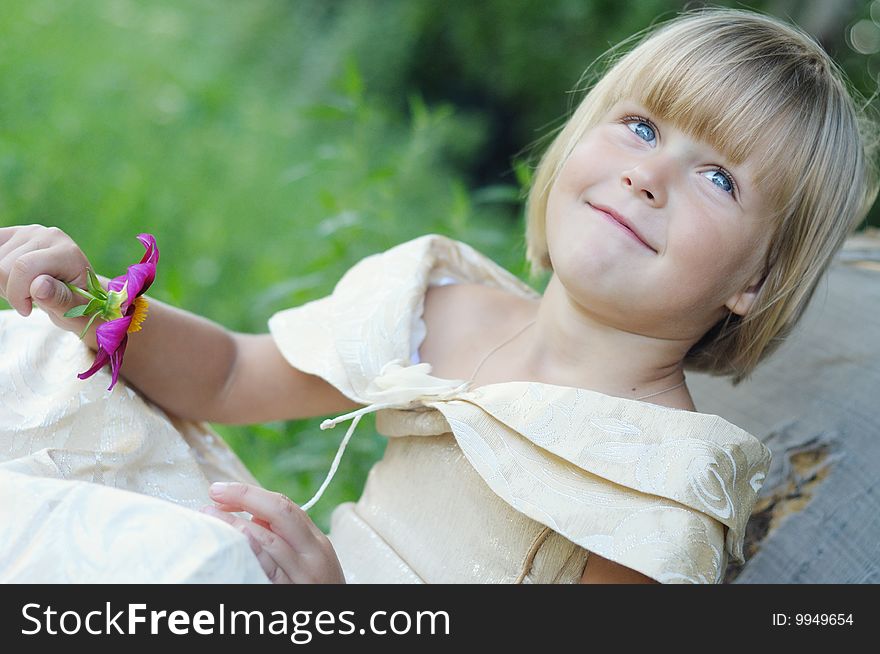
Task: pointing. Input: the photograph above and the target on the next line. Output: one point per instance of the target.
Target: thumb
(52, 294)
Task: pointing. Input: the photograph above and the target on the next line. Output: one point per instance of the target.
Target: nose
(648, 181)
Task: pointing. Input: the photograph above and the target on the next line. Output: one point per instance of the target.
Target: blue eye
(722, 180)
(641, 128)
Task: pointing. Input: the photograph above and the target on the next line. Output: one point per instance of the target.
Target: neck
(581, 348)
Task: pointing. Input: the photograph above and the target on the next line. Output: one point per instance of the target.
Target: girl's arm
(197, 369)
(190, 366)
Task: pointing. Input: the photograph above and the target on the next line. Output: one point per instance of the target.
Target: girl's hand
(290, 548)
(35, 261)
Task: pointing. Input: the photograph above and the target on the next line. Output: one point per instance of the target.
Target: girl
(687, 211)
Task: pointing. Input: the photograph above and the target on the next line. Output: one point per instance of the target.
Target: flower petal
(111, 334)
(117, 283)
(140, 276)
(152, 253)
(101, 359)
(105, 335)
(116, 362)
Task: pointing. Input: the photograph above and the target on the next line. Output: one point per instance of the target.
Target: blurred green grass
(249, 143)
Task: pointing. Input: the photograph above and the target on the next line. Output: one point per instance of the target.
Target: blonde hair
(752, 87)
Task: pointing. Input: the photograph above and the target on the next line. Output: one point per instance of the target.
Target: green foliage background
(270, 145)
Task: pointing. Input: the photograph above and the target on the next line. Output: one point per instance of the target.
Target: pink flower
(121, 306)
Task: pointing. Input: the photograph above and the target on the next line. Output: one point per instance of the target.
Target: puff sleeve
(373, 316)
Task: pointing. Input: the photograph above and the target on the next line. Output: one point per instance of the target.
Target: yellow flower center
(139, 315)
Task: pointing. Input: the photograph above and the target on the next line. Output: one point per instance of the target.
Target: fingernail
(218, 487)
(43, 290)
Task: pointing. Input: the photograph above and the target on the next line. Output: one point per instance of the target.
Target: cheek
(710, 262)
(579, 173)
(583, 166)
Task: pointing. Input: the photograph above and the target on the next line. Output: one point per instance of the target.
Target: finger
(52, 295)
(16, 239)
(54, 262)
(20, 267)
(7, 263)
(232, 508)
(286, 518)
(11, 235)
(275, 573)
(270, 566)
(276, 557)
(22, 239)
(26, 238)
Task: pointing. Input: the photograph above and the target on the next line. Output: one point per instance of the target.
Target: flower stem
(77, 289)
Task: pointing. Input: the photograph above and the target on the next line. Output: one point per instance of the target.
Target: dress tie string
(396, 387)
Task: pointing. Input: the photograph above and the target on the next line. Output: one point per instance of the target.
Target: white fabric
(71, 453)
(59, 531)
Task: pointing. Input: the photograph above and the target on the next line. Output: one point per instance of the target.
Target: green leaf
(328, 111)
(94, 306)
(89, 324)
(419, 112)
(523, 173)
(95, 285)
(352, 81)
(78, 311)
(461, 209)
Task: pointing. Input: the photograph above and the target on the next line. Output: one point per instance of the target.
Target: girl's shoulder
(464, 306)
(463, 321)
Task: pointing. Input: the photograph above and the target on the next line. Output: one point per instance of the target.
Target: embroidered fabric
(98, 487)
(663, 491)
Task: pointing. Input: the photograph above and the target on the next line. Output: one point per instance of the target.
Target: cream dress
(504, 483)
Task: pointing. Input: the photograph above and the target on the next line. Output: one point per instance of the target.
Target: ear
(742, 301)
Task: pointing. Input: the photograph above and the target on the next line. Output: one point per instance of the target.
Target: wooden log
(816, 404)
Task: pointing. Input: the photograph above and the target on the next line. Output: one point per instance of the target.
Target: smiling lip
(622, 222)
